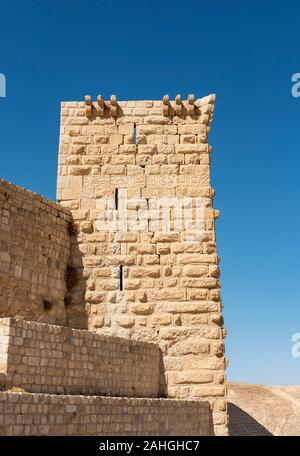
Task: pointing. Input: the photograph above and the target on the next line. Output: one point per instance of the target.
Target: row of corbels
(178, 105)
(100, 104)
(204, 105)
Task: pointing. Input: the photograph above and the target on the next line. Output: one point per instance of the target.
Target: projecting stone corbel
(206, 106)
(216, 213)
(210, 99)
(178, 105)
(88, 106)
(191, 105)
(113, 106)
(166, 105)
(100, 105)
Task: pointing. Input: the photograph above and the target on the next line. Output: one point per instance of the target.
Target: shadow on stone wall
(75, 304)
(243, 424)
(163, 388)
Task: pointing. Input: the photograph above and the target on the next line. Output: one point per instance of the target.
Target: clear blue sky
(246, 53)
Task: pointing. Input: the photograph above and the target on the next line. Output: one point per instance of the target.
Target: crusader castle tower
(136, 177)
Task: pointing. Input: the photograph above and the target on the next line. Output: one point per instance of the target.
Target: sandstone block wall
(52, 359)
(34, 253)
(43, 414)
(149, 283)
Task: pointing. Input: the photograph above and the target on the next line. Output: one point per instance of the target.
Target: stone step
(42, 358)
(44, 414)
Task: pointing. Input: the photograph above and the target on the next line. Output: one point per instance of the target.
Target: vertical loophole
(134, 134)
(116, 198)
(121, 277)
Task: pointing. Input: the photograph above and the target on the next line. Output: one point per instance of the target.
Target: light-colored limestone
(161, 286)
(34, 252)
(42, 358)
(44, 414)
(146, 282)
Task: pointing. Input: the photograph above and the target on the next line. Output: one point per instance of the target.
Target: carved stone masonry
(146, 281)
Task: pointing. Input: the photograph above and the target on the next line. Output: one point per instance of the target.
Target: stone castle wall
(44, 414)
(146, 281)
(42, 358)
(34, 253)
(141, 278)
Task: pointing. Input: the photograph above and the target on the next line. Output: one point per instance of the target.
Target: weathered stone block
(195, 271)
(191, 376)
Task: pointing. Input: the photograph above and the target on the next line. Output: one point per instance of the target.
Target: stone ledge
(43, 414)
(36, 198)
(42, 358)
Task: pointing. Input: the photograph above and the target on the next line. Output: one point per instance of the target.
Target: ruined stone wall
(44, 414)
(146, 280)
(42, 358)
(34, 253)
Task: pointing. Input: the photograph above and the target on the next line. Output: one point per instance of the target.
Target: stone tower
(136, 177)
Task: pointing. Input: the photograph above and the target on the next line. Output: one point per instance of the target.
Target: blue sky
(246, 53)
